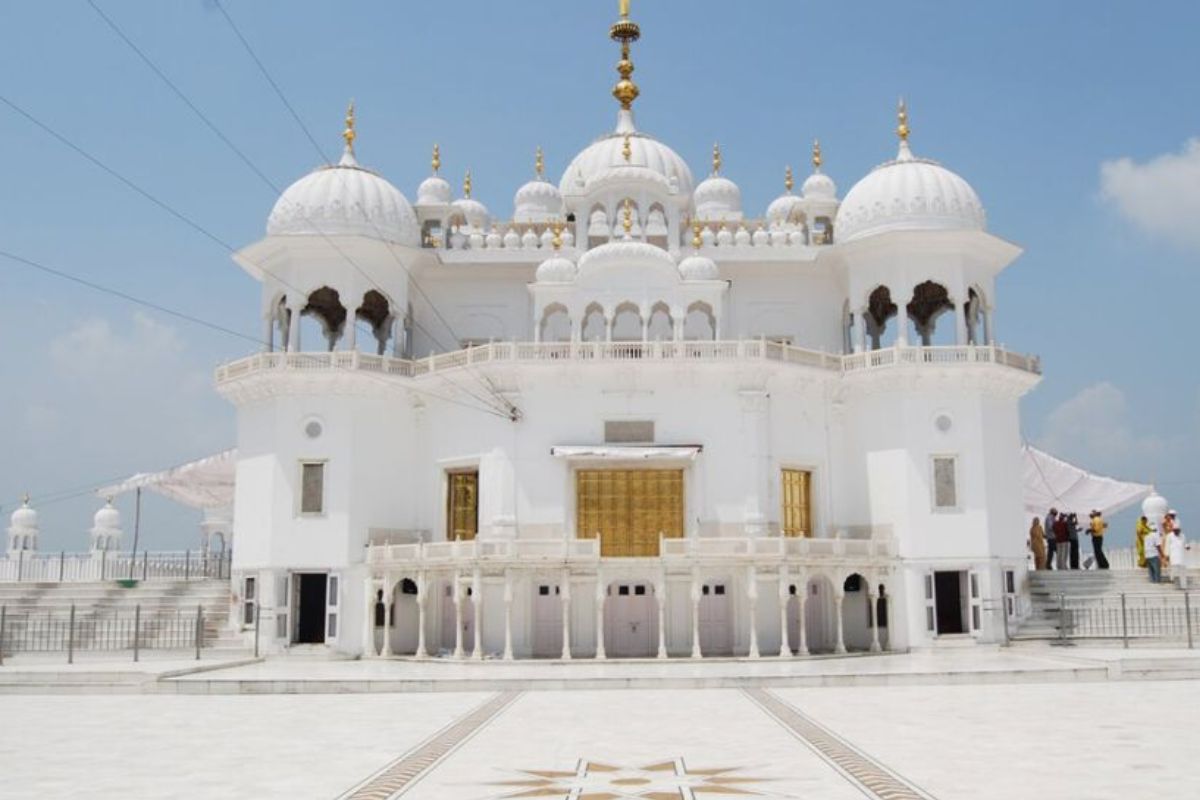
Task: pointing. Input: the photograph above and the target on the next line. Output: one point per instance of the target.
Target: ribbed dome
(909, 194)
(625, 251)
(24, 518)
(699, 268)
(607, 153)
(344, 200)
(718, 198)
(556, 269)
(473, 211)
(785, 209)
(537, 201)
(107, 518)
(434, 191)
(819, 186)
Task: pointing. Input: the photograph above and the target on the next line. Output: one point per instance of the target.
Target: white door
(716, 629)
(975, 598)
(332, 603)
(930, 605)
(629, 621)
(547, 621)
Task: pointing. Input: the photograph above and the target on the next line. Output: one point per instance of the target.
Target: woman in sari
(1139, 538)
(1037, 543)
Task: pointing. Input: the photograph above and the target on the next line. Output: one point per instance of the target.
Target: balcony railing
(694, 351)
(112, 566)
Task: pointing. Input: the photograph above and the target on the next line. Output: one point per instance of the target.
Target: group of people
(1056, 544)
(1159, 550)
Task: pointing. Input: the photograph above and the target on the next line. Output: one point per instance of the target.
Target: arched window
(880, 309)
(376, 312)
(661, 327)
(595, 326)
(700, 324)
(627, 323)
(325, 307)
(555, 325)
(929, 301)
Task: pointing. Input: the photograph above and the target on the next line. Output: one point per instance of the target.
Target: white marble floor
(1136, 739)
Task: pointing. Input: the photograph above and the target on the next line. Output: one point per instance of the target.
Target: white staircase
(1095, 598)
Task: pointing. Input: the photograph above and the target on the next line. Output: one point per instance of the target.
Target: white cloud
(95, 348)
(1094, 429)
(1161, 197)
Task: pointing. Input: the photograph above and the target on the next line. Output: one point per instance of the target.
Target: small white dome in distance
(908, 193)
(344, 199)
(24, 519)
(512, 239)
(539, 200)
(818, 185)
(1155, 507)
(473, 211)
(697, 267)
(785, 209)
(718, 198)
(434, 190)
(557, 268)
(107, 518)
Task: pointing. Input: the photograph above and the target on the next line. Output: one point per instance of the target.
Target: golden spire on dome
(557, 241)
(467, 185)
(626, 32)
(902, 129)
(717, 158)
(349, 135)
(788, 180)
(627, 222)
(539, 162)
(627, 149)
(817, 160)
(697, 240)
(436, 161)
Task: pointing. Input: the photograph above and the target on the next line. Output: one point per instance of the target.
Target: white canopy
(628, 452)
(1049, 482)
(206, 483)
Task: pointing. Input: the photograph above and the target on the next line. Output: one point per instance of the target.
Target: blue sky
(1071, 120)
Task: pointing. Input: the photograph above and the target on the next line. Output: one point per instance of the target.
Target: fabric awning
(618, 452)
(205, 483)
(1050, 482)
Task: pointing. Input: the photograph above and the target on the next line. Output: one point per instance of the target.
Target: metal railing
(43, 632)
(1129, 616)
(66, 567)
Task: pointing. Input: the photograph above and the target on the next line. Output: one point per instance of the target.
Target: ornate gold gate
(462, 513)
(628, 509)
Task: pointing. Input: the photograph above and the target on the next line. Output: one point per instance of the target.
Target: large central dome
(608, 154)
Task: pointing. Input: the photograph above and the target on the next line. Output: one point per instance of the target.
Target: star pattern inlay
(664, 780)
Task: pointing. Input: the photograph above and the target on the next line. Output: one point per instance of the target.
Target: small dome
(718, 198)
(434, 191)
(819, 186)
(608, 153)
(699, 268)
(620, 252)
(1155, 507)
(556, 269)
(785, 210)
(24, 518)
(473, 211)
(344, 200)
(909, 193)
(537, 201)
(107, 518)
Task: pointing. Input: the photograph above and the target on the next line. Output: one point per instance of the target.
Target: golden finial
(697, 240)
(557, 241)
(627, 148)
(349, 135)
(788, 180)
(436, 161)
(467, 185)
(902, 130)
(716, 158)
(817, 161)
(627, 223)
(539, 162)
(626, 32)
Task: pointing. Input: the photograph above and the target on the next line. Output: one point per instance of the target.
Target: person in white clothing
(1154, 550)
(1176, 547)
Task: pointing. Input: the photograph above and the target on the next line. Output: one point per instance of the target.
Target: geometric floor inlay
(665, 780)
(872, 777)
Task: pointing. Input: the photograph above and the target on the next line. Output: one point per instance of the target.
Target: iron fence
(66, 567)
(133, 631)
(1129, 616)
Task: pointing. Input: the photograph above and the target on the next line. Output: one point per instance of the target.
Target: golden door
(462, 516)
(797, 503)
(628, 509)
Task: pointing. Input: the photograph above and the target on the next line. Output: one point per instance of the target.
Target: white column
(565, 595)
(902, 322)
(369, 650)
(601, 596)
(784, 649)
(988, 333)
(696, 594)
(352, 329)
(508, 601)
(887, 606)
(752, 597)
(268, 333)
(422, 600)
(660, 595)
(861, 330)
(838, 597)
(293, 342)
(477, 602)
(456, 595)
(801, 597)
(873, 600)
(960, 324)
(388, 587)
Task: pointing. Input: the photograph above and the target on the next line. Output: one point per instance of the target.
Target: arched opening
(406, 617)
(656, 226)
(716, 617)
(325, 307)
(547, 616)
(848, 328)
(880, 309)
(377, 312)
(216, 543)
(700, 324)
(635, 219)
(929, 302)
(881, 613)
(627, 323)
(280, 320)
(595, 325)
(978, 318)
(856, 613)
(555, 325)
(450, 618)
(630, 620)
(822, 231)
(820, 622)
(660, 328)
(598, 231)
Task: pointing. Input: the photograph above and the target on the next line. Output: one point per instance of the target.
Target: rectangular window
(249, 588)
(627, 431)
(462, 516)
(312, 487)
(796, 519)
(945, 482)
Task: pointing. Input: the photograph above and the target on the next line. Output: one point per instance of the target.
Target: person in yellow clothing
(1139, 538)
(1097, 527)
